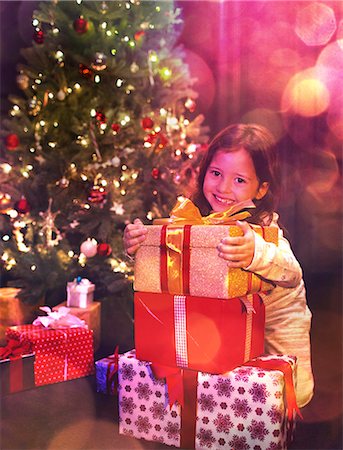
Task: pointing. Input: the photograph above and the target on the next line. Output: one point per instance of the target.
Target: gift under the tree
(61, 354)
(80, 292)
(251, 407)
(200, 333)
(181, 256)
(106, 370)
(16, 367)
(91, 315)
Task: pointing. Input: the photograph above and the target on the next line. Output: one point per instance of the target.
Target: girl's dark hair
(261, 146)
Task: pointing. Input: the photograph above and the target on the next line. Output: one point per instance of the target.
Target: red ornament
(100, 117)
(38, 36)
(155, 173)
(138, 35)
(12, 141)
(22, 206)
(162, 140)
(85, 71)
(97, 194)
(147, 123)
(115, 127)
(80, 25)
(104, 249)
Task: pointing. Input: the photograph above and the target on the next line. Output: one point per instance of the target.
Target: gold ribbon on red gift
(112, 369)
(182, 387)
(175, 240)
(14, 350)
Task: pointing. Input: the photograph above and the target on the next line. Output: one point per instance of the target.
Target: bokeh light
(306, 94)
(315, 24)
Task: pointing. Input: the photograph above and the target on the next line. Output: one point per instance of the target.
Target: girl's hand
(238, 251)
(134, 235)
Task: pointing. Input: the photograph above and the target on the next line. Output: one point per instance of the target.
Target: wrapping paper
(60, 354)
(106, 370)
(183, 259)
(80, 293)
(243, 409)
(91, 315)
(208, 334)
(17, 374)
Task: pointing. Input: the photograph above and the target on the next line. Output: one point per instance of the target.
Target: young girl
(241, 164)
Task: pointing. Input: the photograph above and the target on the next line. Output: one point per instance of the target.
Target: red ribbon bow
(112, 369)
(14, 349)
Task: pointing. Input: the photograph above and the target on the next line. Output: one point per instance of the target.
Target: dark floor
(72, 416)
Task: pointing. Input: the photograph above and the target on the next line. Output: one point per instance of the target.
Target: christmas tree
(106, 130)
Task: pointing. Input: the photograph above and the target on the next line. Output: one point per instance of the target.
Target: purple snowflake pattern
(259, 411)
(127, 372)
(241, 390)
(158, 439)
(259, 392)
(243, 374)
(274, 446)
(206, 438)
(158, 410)
(158, 394)
(142, 374)
(172, 430)
(257, 447)
(258, 430)
(223, 405)
(221, 441)
(275, 414)
(143, 391)
(127, 405)
(240, 427)
(142, 408)
(223, 423)
(207, 402)
(128, 388)
(224, 387)
(127, 432)
(241, 408)
(206, 384)
(143, 424)
(239, 443)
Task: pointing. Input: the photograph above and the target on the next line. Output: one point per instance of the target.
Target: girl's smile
(231, 178)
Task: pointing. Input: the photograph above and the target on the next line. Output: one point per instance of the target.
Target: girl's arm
(276, 263)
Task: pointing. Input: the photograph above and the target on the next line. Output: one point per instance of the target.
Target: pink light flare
(315, 24)
(306, 94)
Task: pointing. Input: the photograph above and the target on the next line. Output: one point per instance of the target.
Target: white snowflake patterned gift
(80, 293)
(247, 408)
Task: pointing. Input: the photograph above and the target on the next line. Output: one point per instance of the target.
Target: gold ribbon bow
(185, 212)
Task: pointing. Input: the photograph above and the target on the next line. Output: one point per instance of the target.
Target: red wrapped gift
(16, 367)
(61, 354)
(206, 334)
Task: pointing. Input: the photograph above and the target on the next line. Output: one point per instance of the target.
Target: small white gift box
(80, 293)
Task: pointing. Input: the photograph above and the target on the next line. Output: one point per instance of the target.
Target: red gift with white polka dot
(60, 354)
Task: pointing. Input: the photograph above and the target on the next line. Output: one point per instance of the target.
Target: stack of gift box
(198, 377)
(58, 346)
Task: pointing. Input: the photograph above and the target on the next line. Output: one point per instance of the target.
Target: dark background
(243, 54)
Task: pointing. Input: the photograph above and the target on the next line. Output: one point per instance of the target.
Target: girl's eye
(216, 173)
(240, 180)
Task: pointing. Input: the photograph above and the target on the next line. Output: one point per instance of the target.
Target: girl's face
(231, 178)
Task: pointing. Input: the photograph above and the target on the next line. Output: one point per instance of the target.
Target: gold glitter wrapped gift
(180, 256)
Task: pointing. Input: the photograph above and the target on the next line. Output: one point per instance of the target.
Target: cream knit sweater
(288, 318)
